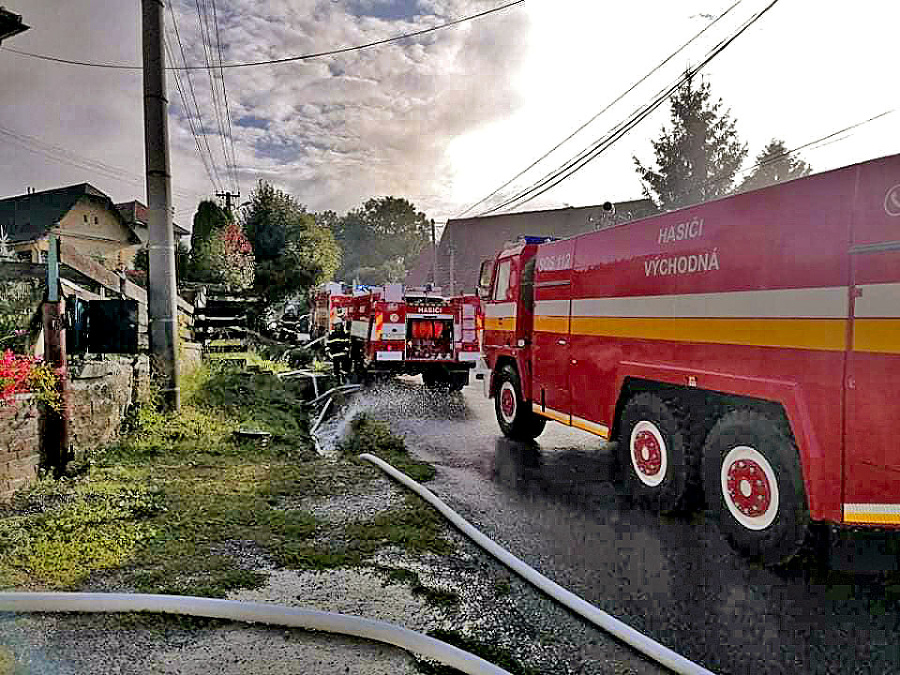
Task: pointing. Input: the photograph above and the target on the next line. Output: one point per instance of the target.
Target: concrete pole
(433, 255)
(56, 422)
(161, 293)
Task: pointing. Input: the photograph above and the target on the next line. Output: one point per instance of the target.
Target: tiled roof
(30, 216)
(135, 214)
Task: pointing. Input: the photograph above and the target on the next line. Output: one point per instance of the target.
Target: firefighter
(339, 351)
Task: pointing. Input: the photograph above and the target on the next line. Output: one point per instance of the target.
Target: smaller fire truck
(415, 331)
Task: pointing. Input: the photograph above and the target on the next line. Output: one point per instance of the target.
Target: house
(135, 214)
(466, 242)
(82, 216)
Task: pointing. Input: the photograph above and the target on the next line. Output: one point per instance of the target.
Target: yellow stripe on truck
(817, 334)
(880, 514)
(552, 414)
(551, 324)
(876, 335)
(500, 323)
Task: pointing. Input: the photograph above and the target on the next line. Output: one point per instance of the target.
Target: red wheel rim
(507, 403)
(647, 454)
(748, 487)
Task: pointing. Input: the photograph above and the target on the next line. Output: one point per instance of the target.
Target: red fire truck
(416, 331)
(330, 305)
(746, 350)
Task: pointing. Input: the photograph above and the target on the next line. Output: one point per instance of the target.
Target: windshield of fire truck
(501, 287)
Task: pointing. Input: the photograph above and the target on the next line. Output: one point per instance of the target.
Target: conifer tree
(697, 158)
(774, 165)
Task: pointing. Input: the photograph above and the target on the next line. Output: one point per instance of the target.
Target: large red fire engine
(416, 331)
(746, 349)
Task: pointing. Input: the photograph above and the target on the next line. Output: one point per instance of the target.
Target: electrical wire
(603, 110)
(206, 43)
(190, 119)
(237, 186)
(190, 81)
(269, 62)
(575, 164)
(66, 156)
(808, 145)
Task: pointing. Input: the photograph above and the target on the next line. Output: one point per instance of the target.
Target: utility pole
(433, 255)
(228, 196)
(56, 422)
(161, 292)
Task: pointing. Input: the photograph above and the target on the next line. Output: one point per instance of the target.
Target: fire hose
(253, 612)
(646, 645)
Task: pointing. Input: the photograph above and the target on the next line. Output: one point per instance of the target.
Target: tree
(380, 240)
(774, 165)
(293, 251)
(698, 157)
(209, 218)
(226, 257)
(268, 218)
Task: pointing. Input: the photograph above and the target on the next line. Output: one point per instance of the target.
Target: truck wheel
(754, 486)
(516, 420)
(655, 453)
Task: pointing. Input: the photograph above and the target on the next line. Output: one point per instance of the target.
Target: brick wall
(20, 446)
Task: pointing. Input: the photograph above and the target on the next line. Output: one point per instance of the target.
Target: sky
(443, 119)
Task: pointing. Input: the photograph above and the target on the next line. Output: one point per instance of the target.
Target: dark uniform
(338, 346)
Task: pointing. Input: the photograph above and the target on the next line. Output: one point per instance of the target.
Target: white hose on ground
(647, 646)
(253, 612)
(343, 389)
(320, 418)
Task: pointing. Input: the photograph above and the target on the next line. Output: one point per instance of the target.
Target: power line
(603, 110)
(237, 186)
(590, 153)
(65, 156)
(287, 59)
(212, 161)
(206, 43)
(787, 153)
(190, 120)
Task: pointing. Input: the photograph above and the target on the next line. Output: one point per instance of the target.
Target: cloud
(332, 131)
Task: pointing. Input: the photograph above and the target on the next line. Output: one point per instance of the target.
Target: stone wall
(100, 393)
(20, 446)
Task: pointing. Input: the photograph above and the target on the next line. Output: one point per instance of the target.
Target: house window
(24, 256)
(85, 217)
(43, 256)
(96, 220)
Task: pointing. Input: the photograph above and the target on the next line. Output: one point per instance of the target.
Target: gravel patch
(78, 644)
(246, 553)
(356, 591)
(341, 509)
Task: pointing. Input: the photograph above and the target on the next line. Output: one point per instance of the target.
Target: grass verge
(180, 506)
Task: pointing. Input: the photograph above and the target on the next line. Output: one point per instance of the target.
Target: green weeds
(375, 437)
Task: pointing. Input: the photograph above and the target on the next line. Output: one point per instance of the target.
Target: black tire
(769, 525)
(514, 416)
(657, 459)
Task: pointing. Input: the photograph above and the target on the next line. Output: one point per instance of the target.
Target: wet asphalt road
(674, 578)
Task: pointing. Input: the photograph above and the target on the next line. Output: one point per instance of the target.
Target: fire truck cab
(741, 352)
